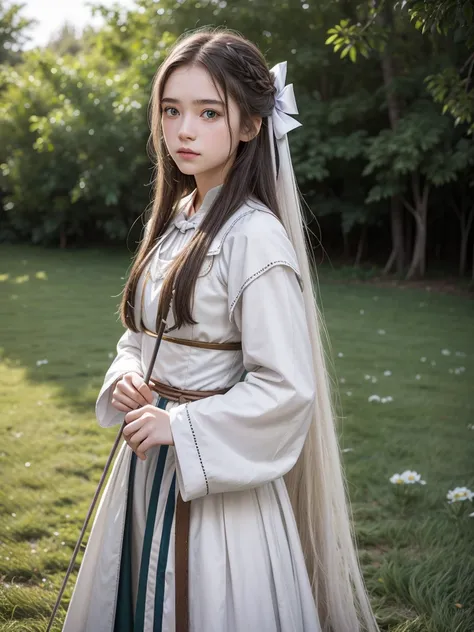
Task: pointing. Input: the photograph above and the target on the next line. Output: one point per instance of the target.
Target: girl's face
(193, 119)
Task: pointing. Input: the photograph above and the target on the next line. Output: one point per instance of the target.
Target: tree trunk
(361, 245)
(347, 248)
(386, 21)
(466, 225)
(420, 213)
(62, 238)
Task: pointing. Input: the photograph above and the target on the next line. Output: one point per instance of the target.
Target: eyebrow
(196, 101)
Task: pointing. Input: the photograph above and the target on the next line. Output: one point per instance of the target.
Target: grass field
(417, 553)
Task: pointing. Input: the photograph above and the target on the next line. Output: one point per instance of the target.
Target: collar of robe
(182, 221)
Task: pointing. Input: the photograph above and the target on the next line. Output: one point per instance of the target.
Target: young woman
(226, 509)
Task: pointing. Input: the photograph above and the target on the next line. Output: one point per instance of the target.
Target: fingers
(136, 414)
(126, 395)
(143, 447)
(123, 402)
(136, 438)
(118, 406)
(142, 388)
(128, 387)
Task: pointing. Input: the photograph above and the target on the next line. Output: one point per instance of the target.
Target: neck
(204, 183)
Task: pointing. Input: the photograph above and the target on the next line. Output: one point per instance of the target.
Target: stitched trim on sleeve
(198, 450)
(255, 275)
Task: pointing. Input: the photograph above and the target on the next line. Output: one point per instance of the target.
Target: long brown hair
(239, 70)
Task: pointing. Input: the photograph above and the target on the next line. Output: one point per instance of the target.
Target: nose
(186, 131)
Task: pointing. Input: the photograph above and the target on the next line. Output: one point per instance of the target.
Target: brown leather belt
(183, 511)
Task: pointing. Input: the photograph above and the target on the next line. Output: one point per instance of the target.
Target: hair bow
(285, 103)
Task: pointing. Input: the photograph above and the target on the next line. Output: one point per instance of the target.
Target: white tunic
(246, 566)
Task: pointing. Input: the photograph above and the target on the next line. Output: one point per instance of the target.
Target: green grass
(418, 558)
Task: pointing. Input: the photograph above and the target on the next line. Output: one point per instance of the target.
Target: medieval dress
(246, 567)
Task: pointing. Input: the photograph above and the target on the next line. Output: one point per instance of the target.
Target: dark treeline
(385, 157)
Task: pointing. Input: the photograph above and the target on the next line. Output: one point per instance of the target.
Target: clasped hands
(146, 425)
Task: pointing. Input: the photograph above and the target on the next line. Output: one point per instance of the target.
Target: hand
(147, 427)
(130, 393)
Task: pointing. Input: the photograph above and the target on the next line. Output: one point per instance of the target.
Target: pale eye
(211, 114)
(170, 111)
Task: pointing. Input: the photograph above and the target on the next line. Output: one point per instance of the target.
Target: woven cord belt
(183, 511)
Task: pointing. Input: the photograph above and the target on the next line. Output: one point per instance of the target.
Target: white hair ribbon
(285, 103)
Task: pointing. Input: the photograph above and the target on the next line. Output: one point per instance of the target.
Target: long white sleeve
(255, 432)
(128, 359)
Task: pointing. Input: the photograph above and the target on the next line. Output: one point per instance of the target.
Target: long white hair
(316, 484)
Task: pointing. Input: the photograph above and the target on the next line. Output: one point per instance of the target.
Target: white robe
(246, 566)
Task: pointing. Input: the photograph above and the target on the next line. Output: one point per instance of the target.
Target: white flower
(381, 332)
(40, 362)
(340, 355)
(362, 312)
(411, 477)
(348, 450)
(384, 400)
(459, 494)
(471, 515)
(389, 398)
(423, 359)
(433, 363)
(445, 352)
(417, 376)
(374, 380)
(397, 479)
(460, 354)
(470, 426)
(27, 464)
(111, 355)
(349, 393)
(374, 398)
(367, 377)
(343, 380)
(387, 373)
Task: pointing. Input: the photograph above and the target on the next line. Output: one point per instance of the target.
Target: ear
(253, 130)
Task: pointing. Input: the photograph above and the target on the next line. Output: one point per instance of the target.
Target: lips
(187, 152)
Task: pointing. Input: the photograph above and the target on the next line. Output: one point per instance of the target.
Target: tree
(13, 31)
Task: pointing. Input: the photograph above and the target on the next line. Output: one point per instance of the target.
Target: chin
(188, 170)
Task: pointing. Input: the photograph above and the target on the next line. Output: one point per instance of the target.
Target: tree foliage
(74, 128)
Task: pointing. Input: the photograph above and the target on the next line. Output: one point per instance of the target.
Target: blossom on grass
(458, 494)
(387, 373)
(381, 332)
(40, 362)
(445, 352)
(340, 355)
(408, 477)
(374, 398)
(382, 400)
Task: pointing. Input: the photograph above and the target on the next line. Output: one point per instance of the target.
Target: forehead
(189, 83)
